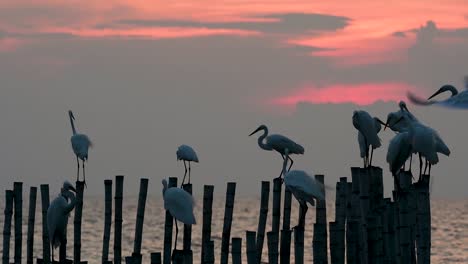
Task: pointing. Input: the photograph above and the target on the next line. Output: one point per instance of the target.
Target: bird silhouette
(186, 153)
(278, 143)
(58, 213)
(80, 145)
(368, 127)
(457, 99)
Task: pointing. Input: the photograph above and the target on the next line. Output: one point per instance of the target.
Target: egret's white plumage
(305, 189)
(368, 128)
(399, 150)
(180, 205)
(278, 143)
(456, 100)
(80, 145)
(58, 213)
(186, 153)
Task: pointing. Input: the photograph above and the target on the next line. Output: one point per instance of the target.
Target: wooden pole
(333, 226)
(236, 250)
(18, 205)
(118, 219)
(156, 258)
(388, 232)
(31, 220)
(251, 248)
(107, 220)
(265, 193)
(228, 211)
(45, 232)
(320, 244)
(352, 242)
(285, 250)
(404, 228)
(207, 216)
(272, 238)
(364, 185)
(168, 228)
(187, 239)
(140, 217)
(424, 220)
(340, 219)
(285, 244)
(7, 226)
(209, 253)
(275, 224)
(77, 222)
(396, 224)
(299, 245)
(372, 240)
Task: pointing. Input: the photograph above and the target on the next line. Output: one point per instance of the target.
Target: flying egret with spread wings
(278, 143)
(80, 145)
(457, 99)
(58, 213)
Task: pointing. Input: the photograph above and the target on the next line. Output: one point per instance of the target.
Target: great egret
(58, 213)
(305, 189)
(368, 128)
(180, 204)
(278, 143)
(456, 100)
(399, 150)
(80, 144)
(425, 141)
(186, 153)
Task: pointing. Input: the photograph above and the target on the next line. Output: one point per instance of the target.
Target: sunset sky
(146, 76)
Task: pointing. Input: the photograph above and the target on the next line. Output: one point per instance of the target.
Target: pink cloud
(360, 94)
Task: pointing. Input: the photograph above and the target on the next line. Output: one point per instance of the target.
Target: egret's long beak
(256, 130)
(71, 114)
(435, 94)
(380, 121)
(385, 126)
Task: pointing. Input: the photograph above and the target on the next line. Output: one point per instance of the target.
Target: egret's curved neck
(452, 89)
(69, 195)
(261, 144)
(72, 125)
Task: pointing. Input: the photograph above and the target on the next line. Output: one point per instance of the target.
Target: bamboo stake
(45, 232)
(352, 242)
(118, 219)
(187, 240)
(236, 250)
(31, 220)
(7, 226)
(207, 211)
(228, 211)
(276, 205)
(107, 220)
(251, 249)
(364, 185)
(321, 222)
(265, 193)
(168, 228)
(156, 258)
(18, 205)
(77, 222)
(285, 249)
(424, 221)
(209, 253)
(136, 255)
(272, 238)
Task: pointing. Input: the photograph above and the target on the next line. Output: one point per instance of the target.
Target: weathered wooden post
(340, 219)
(352, 242)
(320, 239)
(285, 249)
(168, 228)
(364, 185)
(373, 256)
(424, 220)
(236, 250)
(251, 248)
(7, 226)
(299, 245)
(156, 258)
(228, 211)
(275, 222)
(140, 217)
(396, 227)
(265, 193)
(45, 232)
(388, 232)
(209, 253)
(404, 228)
(187, 239)
(77, 222)
(107, 220)
(272, 239)
(118, 219)
(207, 211)
(18, 205)
(333, 226)
(31, 220)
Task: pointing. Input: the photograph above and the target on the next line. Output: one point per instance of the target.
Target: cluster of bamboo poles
(368, 228)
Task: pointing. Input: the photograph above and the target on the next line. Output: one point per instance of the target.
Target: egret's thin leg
(183, 180)
(371, 154)
(189, 169)
(176, 234)
(425, 166)
(304, 209)
(84, 175)
(290, 165)
(420, 165)
(78, 170)
(430, 166)
(283, 167)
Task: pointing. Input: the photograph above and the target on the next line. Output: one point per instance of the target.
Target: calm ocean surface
(449, 228)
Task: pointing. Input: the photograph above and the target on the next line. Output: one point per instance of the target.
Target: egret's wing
(362, 145)
(418, 100)
(180, 204)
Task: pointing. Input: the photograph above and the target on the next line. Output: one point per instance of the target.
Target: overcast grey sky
(140, 95)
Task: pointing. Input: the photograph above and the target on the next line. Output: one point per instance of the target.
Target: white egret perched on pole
(305, 189)
(180, 205)
(456, 100)
(80, 145)
(399, 150)
(58, 213)
(186, 153)
(368, 128)
(278, 143)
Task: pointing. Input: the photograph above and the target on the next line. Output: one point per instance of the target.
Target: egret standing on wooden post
(368, 128)
(58, 213)
(278, 143)
(180, 204)
(186, 153)
(80, 144)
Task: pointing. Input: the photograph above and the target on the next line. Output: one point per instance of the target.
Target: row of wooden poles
(368, 228)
